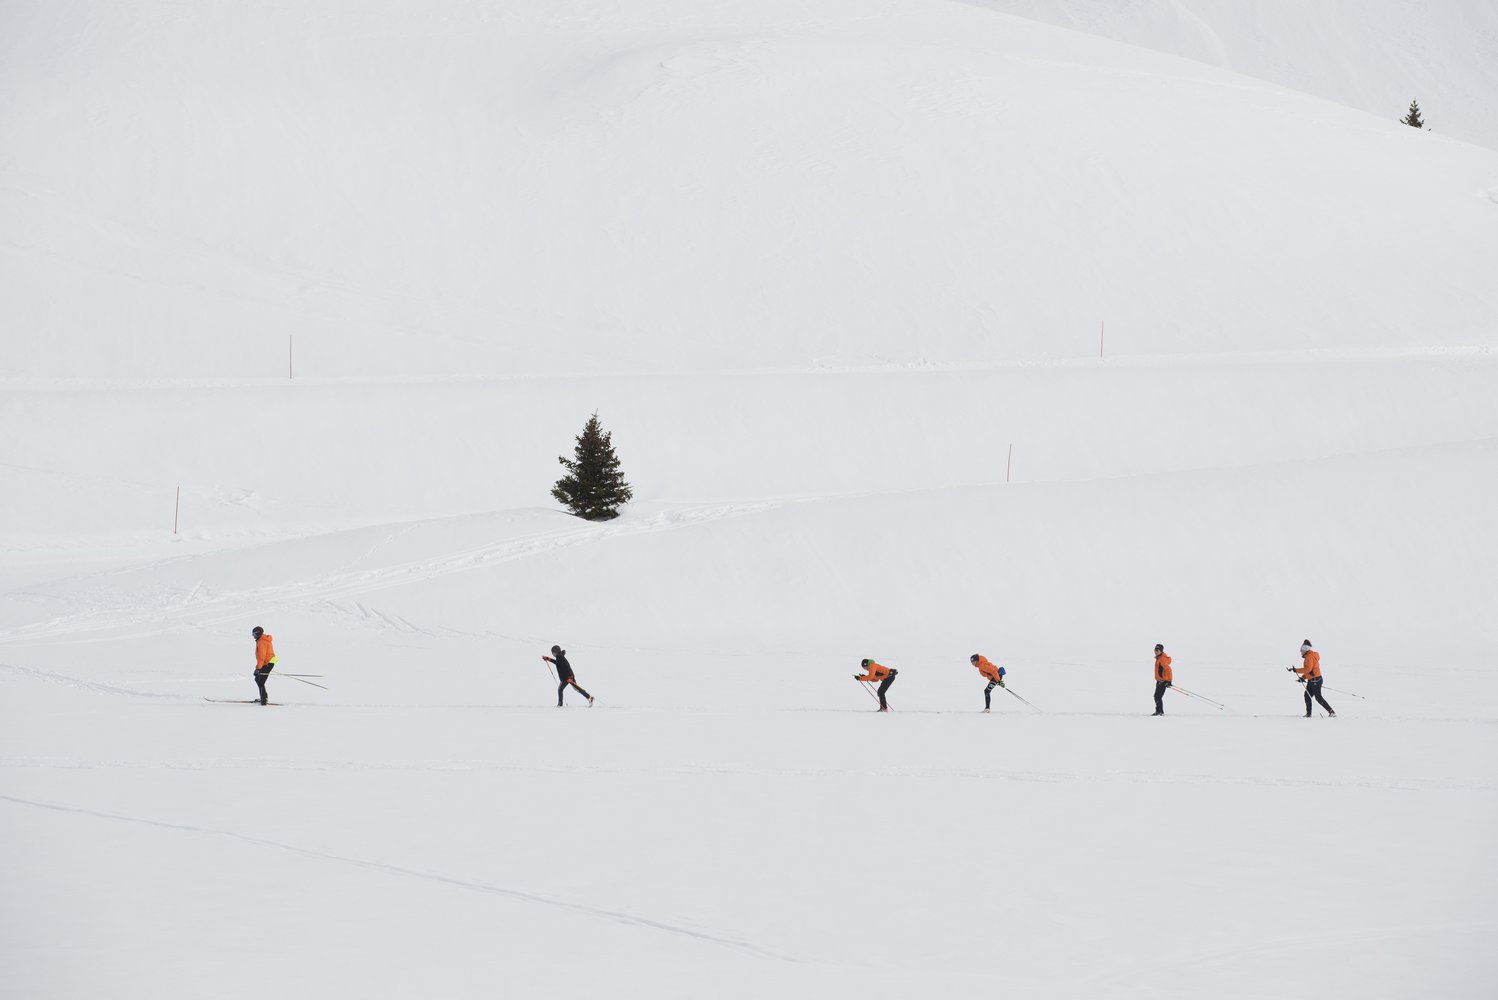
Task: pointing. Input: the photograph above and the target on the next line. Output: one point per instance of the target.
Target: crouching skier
(994, 674)
(265, 659)
(1310, 676)
(565, 675)
(878, 672)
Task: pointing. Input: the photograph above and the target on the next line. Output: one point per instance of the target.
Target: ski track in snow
(76, 682)
(617, 916)
(226, 607)
(1408, 784)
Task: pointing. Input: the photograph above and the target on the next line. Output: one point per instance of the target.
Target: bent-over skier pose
(994, 674)
(1164, 678)
(1310, 676)
(265, 659)
(878, 672)
(565, 675)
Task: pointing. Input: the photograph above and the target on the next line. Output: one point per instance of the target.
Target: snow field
(1374, 55)
(261, 458)
(673, 186)
(818, 266)
(732, 814)
(748, 850)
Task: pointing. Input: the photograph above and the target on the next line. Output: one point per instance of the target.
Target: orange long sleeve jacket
(1312, 666)
(987, 669)
(265, 653)
(1162, 668)
(876, 672)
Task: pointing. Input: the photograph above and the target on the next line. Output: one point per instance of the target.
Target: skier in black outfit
(565, 675)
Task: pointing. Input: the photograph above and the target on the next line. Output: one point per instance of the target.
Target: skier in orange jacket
(878, 672)
(1310, 676)
(994, 674)
(265, 659)
(1164, 678)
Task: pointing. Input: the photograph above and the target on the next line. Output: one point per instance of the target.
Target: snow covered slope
(1375, 55)
(832, 273)
(597, 186)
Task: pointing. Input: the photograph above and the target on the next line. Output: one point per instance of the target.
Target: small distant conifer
(1413, 119)
(594, 487)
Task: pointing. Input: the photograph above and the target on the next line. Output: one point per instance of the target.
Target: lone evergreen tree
(1413, 119)
(593, 488)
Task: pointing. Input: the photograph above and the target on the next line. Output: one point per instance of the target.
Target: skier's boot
(590, 701)
(1157, 713)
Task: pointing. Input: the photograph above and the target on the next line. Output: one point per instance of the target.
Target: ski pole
(1193, 694)
(1340, 691)
(869, 687)
(549, 670)
(1021, 699)
(298, 675)
(1189, 694)
(1336, 690)
(298, 679)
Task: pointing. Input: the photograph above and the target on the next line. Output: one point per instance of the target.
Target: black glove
(1170, 684)
(858, 677)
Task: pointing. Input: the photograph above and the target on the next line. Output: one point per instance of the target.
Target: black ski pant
(261, 673)
(1313, 690)
(562, 687)
(988, 694)
(885, 687)
(1160, 687)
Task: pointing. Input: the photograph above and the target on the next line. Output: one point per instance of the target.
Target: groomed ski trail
(617, 916)
(137, 622)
